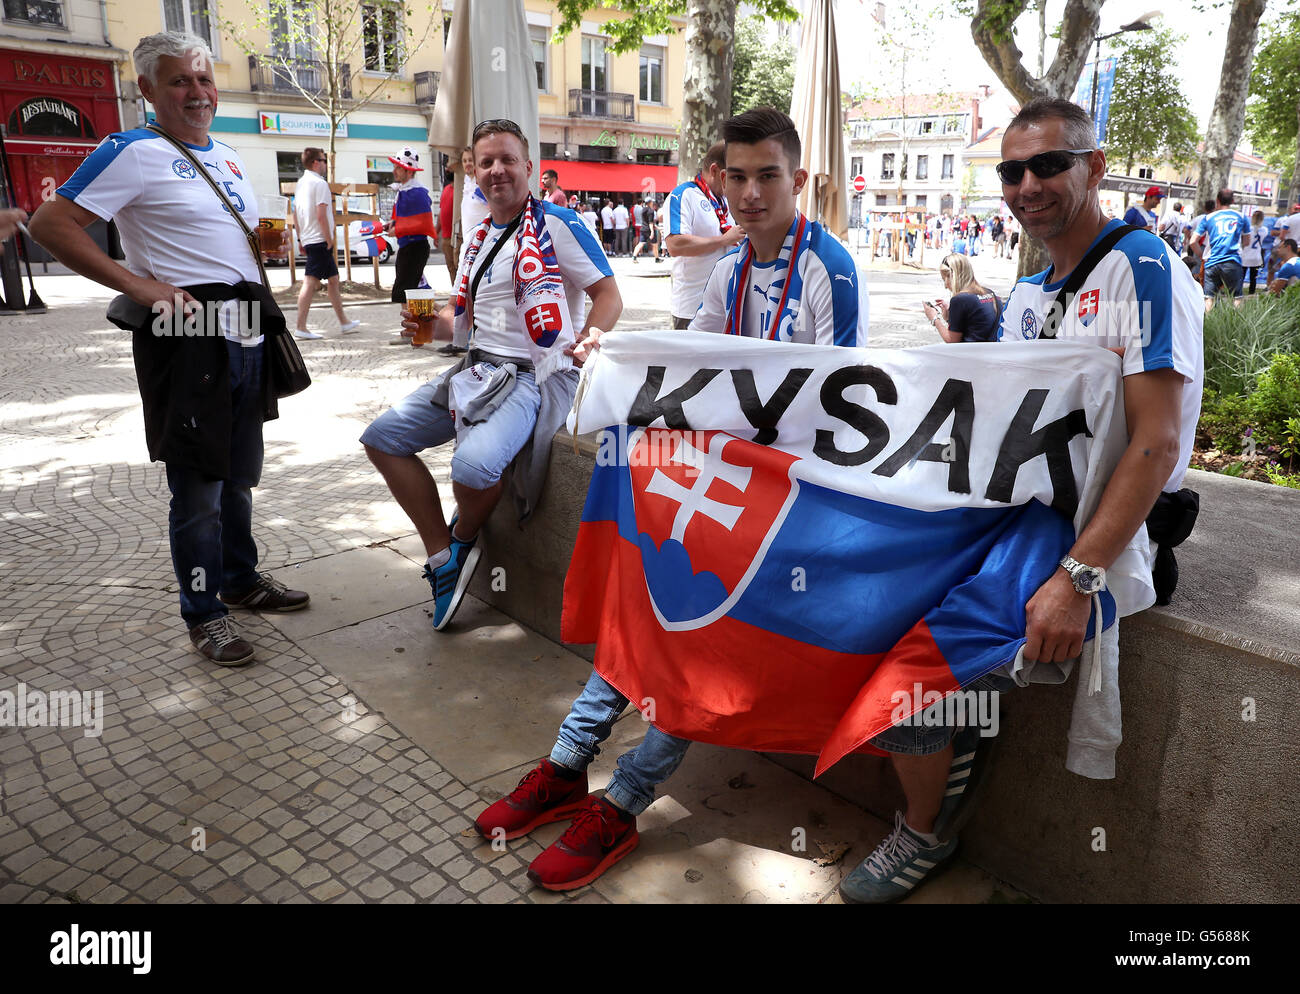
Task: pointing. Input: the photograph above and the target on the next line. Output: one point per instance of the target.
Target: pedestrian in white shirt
(1252, 253)
(313, 210)
(621, 246)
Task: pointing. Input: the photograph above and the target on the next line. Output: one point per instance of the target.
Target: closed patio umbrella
(816, 111)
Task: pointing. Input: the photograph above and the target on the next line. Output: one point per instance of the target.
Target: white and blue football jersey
(1139, 297)
(173, 227)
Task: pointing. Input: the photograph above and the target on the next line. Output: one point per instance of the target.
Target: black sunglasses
(494, 126)
(1044, 165)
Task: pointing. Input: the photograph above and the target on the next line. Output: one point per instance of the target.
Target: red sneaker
(541, 798)
(597, 839)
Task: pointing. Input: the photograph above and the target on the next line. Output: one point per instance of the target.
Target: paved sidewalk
(348, 762)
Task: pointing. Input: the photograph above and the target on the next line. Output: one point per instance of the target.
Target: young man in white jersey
(519, 307)
(789, 280)
(763, 147)
(700, 230)
(1141, 302)
(181, 243)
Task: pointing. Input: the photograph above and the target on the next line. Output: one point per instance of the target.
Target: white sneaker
(299, 333)
(350, 328)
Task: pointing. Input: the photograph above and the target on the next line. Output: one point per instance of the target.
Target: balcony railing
(426, 87)
(599, 103)
(269, 77)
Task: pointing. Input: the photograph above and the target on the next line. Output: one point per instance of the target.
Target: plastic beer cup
(424, 308)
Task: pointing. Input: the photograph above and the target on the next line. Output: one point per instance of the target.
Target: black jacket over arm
(185, 379)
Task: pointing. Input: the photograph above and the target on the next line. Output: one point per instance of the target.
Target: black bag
(1169, 523)
(288, 370)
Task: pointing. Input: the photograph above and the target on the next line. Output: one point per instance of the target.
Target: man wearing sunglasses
(1050, 174)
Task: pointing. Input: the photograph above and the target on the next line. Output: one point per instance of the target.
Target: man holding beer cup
(519, 303)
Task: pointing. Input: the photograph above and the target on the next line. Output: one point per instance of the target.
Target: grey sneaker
(268, 595)
(900, 862)
(219, 640)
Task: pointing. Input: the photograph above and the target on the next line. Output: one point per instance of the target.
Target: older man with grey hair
(199, 364)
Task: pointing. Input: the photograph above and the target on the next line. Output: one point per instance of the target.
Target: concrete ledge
(1204, 806)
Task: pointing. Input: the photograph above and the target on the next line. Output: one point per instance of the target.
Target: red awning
(612, 177)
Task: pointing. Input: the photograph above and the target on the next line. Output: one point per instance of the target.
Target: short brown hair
(715, 156)
(1225, 197)
(499, 126)
(759, 125)
(312, 154)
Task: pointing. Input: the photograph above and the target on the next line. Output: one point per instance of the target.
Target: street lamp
(1141, 24)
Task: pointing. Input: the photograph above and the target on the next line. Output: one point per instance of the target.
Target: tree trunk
(1229, 112)
(1033, 256)
(991, 30)
(710, 29)
(1042, 37)
(1294, 194)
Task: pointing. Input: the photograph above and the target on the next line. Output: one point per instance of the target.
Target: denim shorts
(1226, 275)
(484, 450)
(921, 740)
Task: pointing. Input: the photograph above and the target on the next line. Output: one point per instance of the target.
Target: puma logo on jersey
(841, 276)
(117, 141)
(1147, 258)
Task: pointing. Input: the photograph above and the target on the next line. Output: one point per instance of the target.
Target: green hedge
(1240, 341)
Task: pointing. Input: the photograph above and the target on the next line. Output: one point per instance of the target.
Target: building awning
(613, 177)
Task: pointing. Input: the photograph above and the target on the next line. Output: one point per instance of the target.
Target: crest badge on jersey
(708, 506)
(1089, 306)
(1028, 325)
(183, 169)
(234, 169)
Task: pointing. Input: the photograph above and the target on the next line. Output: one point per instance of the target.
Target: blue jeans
(482, 452)
(640, 770)
(211, 520)
(1225, 275)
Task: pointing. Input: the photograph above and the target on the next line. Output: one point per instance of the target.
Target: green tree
(710, 33)
(1273, 114)
(993, 27)
(762, 71)
(319, 48)
(1228, 115)
(1150, 119)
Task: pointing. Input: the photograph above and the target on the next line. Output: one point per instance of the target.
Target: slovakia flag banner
(779, 538)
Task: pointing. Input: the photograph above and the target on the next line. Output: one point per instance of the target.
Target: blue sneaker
(450, 580)
(900, 862)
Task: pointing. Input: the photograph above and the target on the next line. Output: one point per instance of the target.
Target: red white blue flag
(779, 538)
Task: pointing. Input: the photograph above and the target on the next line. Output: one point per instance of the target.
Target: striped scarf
(540, 299)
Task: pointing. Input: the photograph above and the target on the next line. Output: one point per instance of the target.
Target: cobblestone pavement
(265, 784)
(295, 802)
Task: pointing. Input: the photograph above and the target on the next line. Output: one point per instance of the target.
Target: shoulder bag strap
(1056, 313)
(491, 256)
(254, 243)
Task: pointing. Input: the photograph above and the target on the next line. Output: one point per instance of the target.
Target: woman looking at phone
(973, 313)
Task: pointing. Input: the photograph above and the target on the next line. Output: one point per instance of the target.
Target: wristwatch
(1087, 580)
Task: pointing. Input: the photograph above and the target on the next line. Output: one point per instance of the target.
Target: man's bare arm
(327, 229)
(60, 226)
(1057, 615)
(606, 307)
(688, 245)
